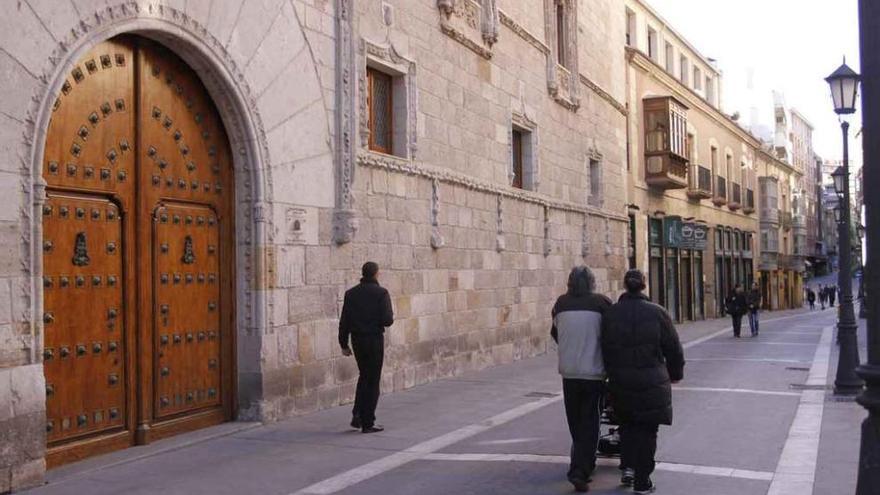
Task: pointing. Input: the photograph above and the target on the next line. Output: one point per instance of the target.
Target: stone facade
(473, 263)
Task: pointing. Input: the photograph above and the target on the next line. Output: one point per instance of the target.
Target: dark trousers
(754, 324)
(369, 352)
(638, 444)
(737, 323)
(582, 399)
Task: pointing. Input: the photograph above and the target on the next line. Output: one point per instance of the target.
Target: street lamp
(869, 46)
(844, 83)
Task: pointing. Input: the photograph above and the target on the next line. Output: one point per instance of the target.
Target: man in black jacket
(366, 312)
(643, 357)
(736, 307)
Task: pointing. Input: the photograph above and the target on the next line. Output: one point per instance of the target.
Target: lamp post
(844, 84)
(869, 47)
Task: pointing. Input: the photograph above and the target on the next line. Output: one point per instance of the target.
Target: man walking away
(366, 311)
(811, 298)
(577, 327)
(643, 357)
(823, 296)
(832, 294)
(736, 307)
(754, 302)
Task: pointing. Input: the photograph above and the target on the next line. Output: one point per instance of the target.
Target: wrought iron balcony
(785, 219)
(700, 179)
(720, 197)
(735, 197)
(749, 207)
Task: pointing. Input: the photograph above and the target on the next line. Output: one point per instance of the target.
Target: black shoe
(646, 486)
(356, 422)
(580, 484)
(627, 477)
(372, 429)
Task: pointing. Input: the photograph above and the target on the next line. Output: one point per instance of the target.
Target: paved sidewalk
(502, 430)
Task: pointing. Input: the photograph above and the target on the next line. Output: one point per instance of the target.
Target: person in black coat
(754, 305)
(811, 298)
(736, 306)
(643, 357)
(366, 311)
(832, 294)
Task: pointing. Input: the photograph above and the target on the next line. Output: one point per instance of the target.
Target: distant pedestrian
(832, 294)
(823, 296)
(754, 302)
(366, 311)
(811, 298)
(643, 357)
(577, 328)
(736, 307)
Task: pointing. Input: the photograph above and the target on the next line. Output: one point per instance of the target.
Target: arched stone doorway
(138, 253)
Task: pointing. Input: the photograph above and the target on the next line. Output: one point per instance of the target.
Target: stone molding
(472, 24)
(388, 57)
(500, 243)
(520, 119)
(562, 82)
(531, 39)
(522, 32)
(437, 240)
(344, 221)
(227, 84)
(407, 167)
(595, 88)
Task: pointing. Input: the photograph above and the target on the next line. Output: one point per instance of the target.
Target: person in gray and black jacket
(577, 328)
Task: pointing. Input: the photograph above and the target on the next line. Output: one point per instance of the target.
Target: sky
(786, 45)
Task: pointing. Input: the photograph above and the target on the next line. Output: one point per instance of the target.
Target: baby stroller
(609, 436)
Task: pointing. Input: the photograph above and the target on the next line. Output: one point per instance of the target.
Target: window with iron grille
(380, 105)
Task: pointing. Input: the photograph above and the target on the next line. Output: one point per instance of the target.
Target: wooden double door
(137, 253)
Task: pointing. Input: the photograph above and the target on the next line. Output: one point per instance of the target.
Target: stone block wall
(473, 264)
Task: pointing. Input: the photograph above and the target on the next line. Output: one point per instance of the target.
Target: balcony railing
(785, 219)
(749, 207)
(700, 182)
(720, 197)
(735, 197)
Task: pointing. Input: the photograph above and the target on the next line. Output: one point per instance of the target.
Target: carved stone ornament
(345, 226)
(585, 237)
(437, 240)
(500, 244)
(548, 247)
(447, 7)
(189, 257)
(80, 251)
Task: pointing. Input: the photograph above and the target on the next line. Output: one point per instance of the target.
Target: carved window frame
(529, 130)
(479, 14)
(563, 81)
(386, 59)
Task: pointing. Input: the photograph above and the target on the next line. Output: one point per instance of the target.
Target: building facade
(691, 181)
(782, 244)
(476, 149)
